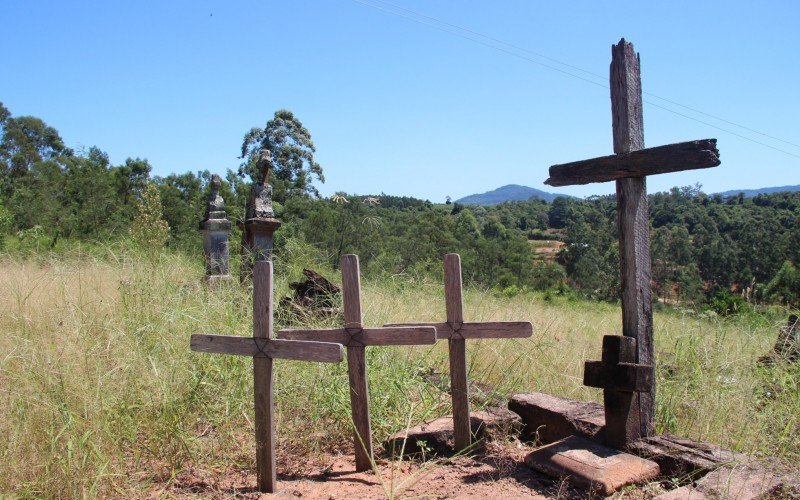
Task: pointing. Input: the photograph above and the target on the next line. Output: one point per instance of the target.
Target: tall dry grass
(100, 395)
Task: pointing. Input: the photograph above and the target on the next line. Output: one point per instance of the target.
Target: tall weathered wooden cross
(355, 337)
(263, 349)
(456, 331)
(623, 373)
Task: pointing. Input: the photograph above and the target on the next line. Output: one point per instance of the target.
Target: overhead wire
(443, 26)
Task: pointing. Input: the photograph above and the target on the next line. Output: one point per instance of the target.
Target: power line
(439, 26)
(480, 42)
(651, 103)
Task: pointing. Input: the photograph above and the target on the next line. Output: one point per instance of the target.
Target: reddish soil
(498, 474)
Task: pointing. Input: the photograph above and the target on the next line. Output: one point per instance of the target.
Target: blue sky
(402, 106)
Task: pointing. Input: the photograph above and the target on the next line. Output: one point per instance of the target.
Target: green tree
(4, 113)
(149, 229)
(547, 275)
(785, 286)
(559, 211)
(87, 198)
(25, 141)
(129, 180)
(292, 153)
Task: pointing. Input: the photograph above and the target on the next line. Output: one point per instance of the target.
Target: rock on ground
(435, 437)
(547, 418)
(592, 466)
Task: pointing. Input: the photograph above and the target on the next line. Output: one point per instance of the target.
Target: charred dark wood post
(633, 222)
(621, 380)
(628, 167)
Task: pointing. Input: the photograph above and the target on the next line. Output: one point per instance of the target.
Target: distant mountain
(749, 193)
(511, 192)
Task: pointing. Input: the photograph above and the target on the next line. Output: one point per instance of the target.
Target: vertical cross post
(356, 363)
(263, 378)
(633, 221)
(454, 308)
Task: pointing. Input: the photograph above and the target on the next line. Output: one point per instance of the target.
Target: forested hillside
(706, 249)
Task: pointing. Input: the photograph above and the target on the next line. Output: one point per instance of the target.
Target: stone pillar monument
(215, 228)
(259, 221)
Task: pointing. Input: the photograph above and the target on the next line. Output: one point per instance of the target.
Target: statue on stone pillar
(216, 228)
(259, 223)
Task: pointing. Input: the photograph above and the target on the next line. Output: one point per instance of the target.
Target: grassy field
(99, 393)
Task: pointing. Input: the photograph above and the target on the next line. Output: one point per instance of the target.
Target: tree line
(705, 248)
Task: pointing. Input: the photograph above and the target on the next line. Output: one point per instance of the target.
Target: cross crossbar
(297, 350)
(690, 155)
(411, 335)
(625, 377)
(488, 330)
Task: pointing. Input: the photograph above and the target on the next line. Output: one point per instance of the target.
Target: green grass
(100, 395)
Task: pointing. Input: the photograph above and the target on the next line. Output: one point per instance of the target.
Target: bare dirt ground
(498, 474)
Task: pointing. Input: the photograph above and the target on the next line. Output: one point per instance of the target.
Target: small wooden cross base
(357, 338)
(456, 331)
(263, 350)
(621, 380)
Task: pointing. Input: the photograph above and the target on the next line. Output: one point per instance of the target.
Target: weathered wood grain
(324, 352)
(488, 330)
(356, 364)
(633, 224)
(263, 379)
(400, 335)
(459, 387)
(351, 290)
(690, 155)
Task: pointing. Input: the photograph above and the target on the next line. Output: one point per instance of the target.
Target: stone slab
(549, 418)
(587, 464)
(734, 482)
(436, 437)
(685, 457)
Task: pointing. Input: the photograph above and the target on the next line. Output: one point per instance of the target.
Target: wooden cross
(628, 167)
(620, 378)
(456, 331)
(263, 350)
(356, 338)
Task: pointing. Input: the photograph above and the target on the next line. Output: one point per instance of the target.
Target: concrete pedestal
(216, 248)
(258, 239)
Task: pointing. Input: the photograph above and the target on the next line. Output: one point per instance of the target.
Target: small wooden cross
(628, 167)
(456, 331)
(620, 377)
(356, 338)
(263, 350)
